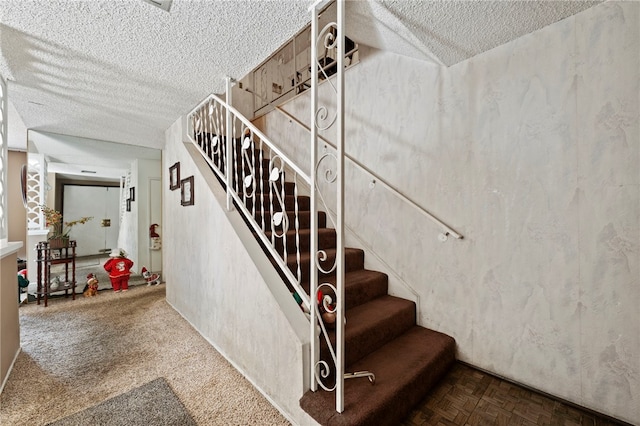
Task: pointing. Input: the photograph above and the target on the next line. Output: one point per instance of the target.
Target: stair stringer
(298, 364)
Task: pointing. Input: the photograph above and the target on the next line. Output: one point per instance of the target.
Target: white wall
(219, 279)
(147, 171)
(16, 130)
(531, 151)
(134, 229)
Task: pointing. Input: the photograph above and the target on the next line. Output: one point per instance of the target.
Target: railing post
(229, 144)
(313, 249)
(331, 30)
(340, 212)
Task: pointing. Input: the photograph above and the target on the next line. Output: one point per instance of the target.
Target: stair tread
(360, 286)
(355, 277)
(375, 312)
(331, 254)
(373, 324)
(406, 368)
(306, 232)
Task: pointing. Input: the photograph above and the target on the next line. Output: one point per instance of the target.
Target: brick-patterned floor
(467, 396)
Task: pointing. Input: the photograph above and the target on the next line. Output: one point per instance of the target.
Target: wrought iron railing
(264, 184)
(261, 182)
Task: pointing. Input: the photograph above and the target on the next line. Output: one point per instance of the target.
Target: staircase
(381, 331)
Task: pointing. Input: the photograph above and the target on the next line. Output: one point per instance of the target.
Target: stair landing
(403, 367)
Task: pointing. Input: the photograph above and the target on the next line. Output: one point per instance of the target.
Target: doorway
(99, 235)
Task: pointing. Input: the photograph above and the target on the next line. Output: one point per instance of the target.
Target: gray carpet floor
(153, 403)
(77, 354)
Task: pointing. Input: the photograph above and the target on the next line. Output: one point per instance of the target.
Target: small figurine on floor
(91, 289)
(55, 283)
(152, 279)
(23, 282)
(119, 269)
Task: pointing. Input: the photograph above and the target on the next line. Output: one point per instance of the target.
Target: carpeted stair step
(326, 240)
(255, 163)
(264, 187)
(304, 219)
(304, 203)
(406, 369)
(372, 325)
(360, 286)
(354, 260)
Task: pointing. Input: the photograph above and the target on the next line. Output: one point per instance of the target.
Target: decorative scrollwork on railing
(325, 310)
(329, 176)
(321, 116)
(321, 256)
(279, 218)
(248, 162)
(330, 42)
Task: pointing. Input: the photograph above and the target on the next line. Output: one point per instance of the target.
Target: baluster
(261, 177)
(283, 206)
(297, 227)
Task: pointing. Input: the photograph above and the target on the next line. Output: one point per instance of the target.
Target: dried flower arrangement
(58, 229)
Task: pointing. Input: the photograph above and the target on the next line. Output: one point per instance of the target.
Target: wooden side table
(46, 257)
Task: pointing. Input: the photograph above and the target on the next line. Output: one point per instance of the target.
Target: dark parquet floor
(466, 396)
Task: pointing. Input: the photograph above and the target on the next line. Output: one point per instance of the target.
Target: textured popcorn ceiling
(124, 70)
(448, 32)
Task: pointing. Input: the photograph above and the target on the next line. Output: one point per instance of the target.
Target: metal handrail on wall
(446, 229)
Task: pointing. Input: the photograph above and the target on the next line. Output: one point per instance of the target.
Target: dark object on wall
(132, 193)
(174, 176)
(186, 191)
(128, 204)
(23, 183)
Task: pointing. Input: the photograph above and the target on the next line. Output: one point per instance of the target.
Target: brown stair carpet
(381, 334)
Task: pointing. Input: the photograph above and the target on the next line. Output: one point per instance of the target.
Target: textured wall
(9, 320)
(213, 282)
(17, 214)
(531, 151)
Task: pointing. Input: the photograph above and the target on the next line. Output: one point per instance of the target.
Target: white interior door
(100, 234)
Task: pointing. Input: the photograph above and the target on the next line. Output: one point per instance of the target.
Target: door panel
(99, 202)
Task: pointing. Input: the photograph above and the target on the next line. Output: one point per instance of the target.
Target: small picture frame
(132, 193)
(186, 191)
(128, 204)
(174, 176)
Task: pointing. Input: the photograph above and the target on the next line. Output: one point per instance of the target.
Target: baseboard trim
(6, 379)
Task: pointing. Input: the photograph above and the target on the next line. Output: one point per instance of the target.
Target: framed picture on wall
(174, 176)
(186, 191)
(132, 193)
(128, 204)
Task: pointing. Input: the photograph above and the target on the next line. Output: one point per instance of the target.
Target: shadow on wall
(97, 99)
